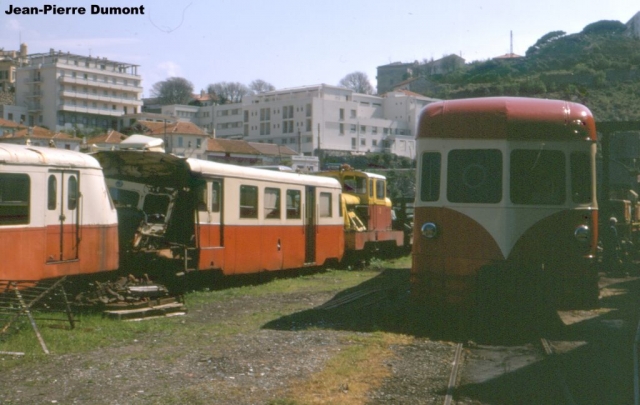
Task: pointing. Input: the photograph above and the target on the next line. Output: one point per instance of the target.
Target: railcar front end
(506, 203)
(56, 217)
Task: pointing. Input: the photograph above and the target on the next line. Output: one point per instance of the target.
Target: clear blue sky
(296, 43)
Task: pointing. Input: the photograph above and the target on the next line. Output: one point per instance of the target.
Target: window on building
(341, 114)
(353, 113)
(341, 129)
(353, 143)
(287, 112)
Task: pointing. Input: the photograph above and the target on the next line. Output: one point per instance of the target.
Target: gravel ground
(252, 367)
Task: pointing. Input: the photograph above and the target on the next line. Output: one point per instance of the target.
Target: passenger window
(380, 189)
(272, 203)
(248, 202)
(72, 193)
(537, 177)
(216, 194)
(14, 199)
(371, 188)
(474, 176)
(293, 204)
(325, 205)
(52, 193)
(581, 178)
(430, 177)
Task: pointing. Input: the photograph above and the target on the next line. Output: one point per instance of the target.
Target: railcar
(505, 197)
(56, 218)
(205, 215)
(367, 210)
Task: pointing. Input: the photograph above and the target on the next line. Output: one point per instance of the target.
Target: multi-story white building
(65, 91)
(320, 118)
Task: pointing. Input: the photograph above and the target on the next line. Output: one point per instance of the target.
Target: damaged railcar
(205, 215)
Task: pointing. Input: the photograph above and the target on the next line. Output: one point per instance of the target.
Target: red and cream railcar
(506, 189)
(211, 215)
(56, 217)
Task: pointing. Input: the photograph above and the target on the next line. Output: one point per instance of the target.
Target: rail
(636, 376)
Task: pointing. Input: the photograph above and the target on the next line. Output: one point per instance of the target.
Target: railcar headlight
(582, 233)
(429, 230)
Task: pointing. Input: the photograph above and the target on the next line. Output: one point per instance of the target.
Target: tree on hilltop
(174, 90)
(358, 82)
(260, 86)
(228, 92)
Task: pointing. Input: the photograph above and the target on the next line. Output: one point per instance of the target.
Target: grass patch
(347, 377)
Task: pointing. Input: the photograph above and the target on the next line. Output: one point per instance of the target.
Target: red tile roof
(36, 132)
(272, 149)
(231, 146)
(9, 124)
(113, 137)
(154, 128)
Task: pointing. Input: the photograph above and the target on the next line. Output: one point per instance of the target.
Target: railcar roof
(158, 168)
(215, 168)
(507, 118)
(42, 156)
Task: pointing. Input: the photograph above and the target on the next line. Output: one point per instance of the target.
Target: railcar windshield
(537, 177)
(474, 176)
(354, 184)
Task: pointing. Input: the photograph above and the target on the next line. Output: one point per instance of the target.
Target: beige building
(63, 91)
(180, 138)
(9, 62)
(318, 118)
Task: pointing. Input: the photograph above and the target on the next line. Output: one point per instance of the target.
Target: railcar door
(310, 224)
(210, 225)
(63, 215)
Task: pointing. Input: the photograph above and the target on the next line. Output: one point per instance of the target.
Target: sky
(295, 43)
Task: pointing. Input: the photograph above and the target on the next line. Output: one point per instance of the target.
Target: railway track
(530, 373)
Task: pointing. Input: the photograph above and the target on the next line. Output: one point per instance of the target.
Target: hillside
(598, 67)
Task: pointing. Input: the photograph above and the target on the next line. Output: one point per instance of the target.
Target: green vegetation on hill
(598, 67)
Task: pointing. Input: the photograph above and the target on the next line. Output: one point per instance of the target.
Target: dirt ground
(251, 367)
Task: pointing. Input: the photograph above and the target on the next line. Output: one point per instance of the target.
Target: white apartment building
(321, 117)
(65, 91)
